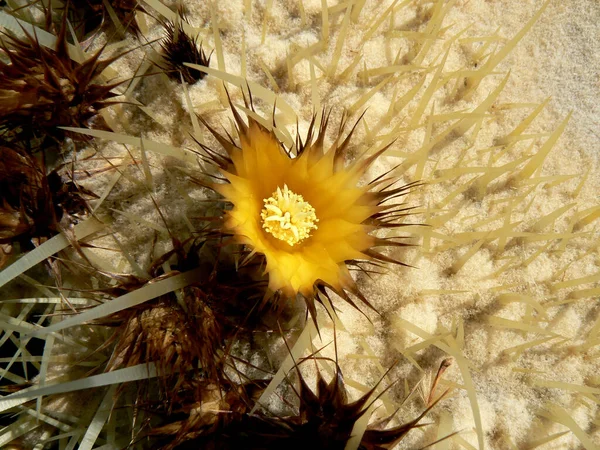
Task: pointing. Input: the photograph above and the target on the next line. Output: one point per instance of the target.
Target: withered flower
(179, 48)
(34, 206)
(326, 418)
(42, 89)
(181, 339)
(192, 332)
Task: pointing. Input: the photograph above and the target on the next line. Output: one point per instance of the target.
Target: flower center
(287, 216)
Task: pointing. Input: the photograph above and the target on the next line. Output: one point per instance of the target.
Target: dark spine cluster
(43, 88)
(179, 48)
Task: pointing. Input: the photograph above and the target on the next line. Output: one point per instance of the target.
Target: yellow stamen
(287, 216)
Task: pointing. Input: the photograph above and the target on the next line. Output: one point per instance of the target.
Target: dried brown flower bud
(42, 89)
(178, 48)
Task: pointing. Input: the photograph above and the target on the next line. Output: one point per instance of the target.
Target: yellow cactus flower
(302, 208)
